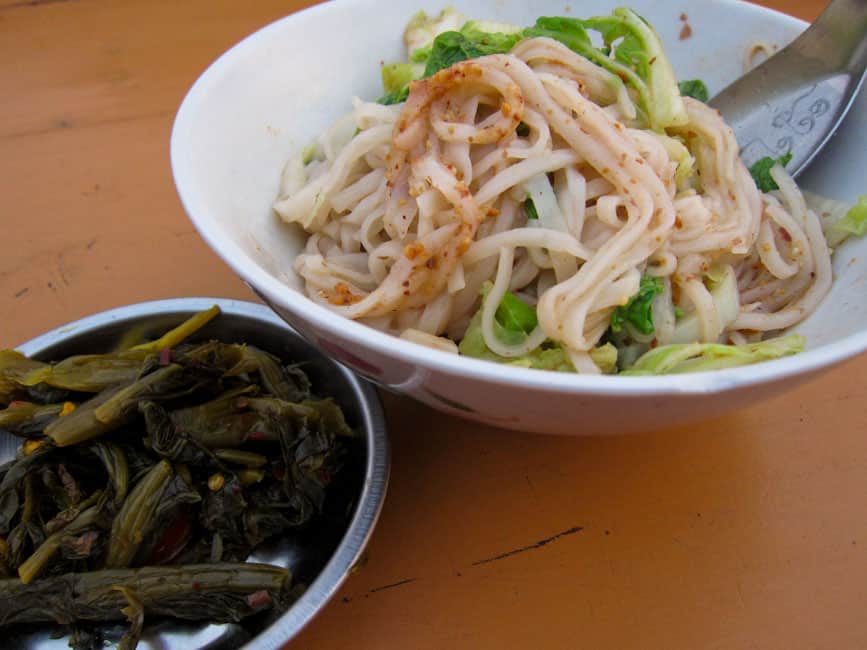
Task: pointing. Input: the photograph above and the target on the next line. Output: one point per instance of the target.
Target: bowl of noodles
(529, 217)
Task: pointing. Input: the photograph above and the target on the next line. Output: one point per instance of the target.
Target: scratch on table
(21, 292)
(93, 123)
(33, 3)
(741, 601)
(399, 583)
(61, 267)
(530, 547)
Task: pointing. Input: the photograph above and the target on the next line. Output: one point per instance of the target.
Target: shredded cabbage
(695, 357)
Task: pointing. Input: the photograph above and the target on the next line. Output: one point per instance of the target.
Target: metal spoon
(796, 99)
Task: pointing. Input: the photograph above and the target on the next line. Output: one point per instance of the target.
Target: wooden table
(744, 532)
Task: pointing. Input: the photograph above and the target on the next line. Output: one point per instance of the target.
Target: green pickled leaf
(223, 422)
(512, 323)
(183, 331)
(694, 88)
(136, 517)
(396, 76)
(28, 419)
(453, 47)
(761, 171)
(165, 383)
(116, 466)
(36, 563)
(14, 367)
(89, 373)
(394, 97)
(569, 31)
(638, 310)
(548, 356)
(638, 59)
(134, 612)
(199, 592)
(515, 315)
(13, 475)
(530, 209)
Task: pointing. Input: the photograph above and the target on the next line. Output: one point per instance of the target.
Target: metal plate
(323, 554)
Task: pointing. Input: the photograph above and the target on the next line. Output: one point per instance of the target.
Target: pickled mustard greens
(147, 475)
(219, 593)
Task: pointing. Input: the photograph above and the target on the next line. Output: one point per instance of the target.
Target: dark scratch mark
(51, 286)
(21, 292)
(530, 547)
(90, 244)
(64, 124)
(33, 3)
(346, 599)
(86, 125)
(61, 267)
(392, 585)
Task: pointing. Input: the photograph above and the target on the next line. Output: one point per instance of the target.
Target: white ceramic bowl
(268, 96)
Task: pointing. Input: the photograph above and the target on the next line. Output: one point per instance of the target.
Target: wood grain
(745, 532)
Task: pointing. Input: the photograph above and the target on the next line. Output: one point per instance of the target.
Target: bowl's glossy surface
(323, 556)
(268, 95)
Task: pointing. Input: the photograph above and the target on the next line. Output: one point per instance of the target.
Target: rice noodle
(411, 215)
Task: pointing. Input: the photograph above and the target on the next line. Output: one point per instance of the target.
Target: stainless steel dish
(323, 557)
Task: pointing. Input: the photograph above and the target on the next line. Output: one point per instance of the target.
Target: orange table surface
(744, 532)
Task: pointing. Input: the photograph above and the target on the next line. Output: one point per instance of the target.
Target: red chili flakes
(685, 32)
(343, 295)
(785, 234)
(413, 250)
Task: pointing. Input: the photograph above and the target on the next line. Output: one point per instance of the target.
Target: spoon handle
(837, 37)
(794, 101)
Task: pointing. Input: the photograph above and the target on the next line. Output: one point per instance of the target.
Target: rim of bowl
(325, 320)
(376, 470)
